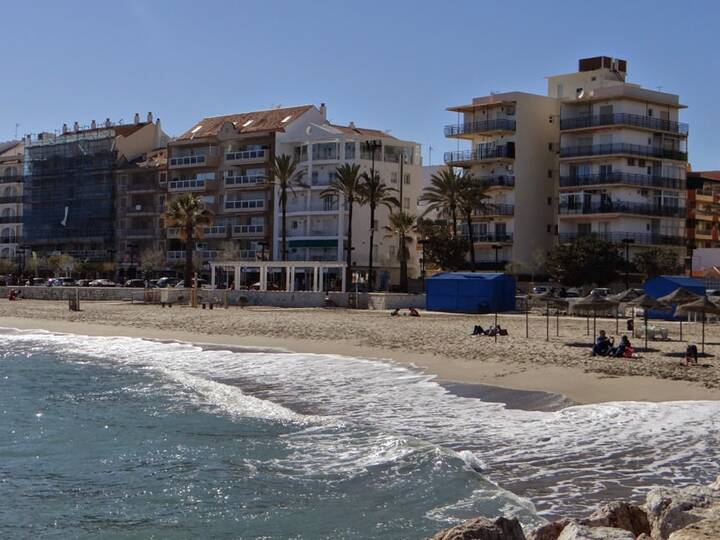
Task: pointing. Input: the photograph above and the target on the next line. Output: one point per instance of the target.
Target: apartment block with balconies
(506, 140)
(317, 224)
(11, 206)
(622, 158)
(703, 210)
(225, 161)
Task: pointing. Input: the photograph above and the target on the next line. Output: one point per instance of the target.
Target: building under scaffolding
(69, 195)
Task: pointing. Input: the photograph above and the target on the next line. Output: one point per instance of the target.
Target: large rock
(705, 529)
(549, 531)
(575, 531)
(620, 515)
(484, 529)
(671, 510)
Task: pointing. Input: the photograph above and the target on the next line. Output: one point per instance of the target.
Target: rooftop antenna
(430, 149)
(16, 129)
(659, 88)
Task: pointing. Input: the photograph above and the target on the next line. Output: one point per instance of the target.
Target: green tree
(401, 225)
(346, 185)
(443, 195)
(657, 261)
(62, 263)
(472, 199)
(286, 176)
(152, 260)
(588, 260)
(441, 249)
(374, 192)
(188, 213)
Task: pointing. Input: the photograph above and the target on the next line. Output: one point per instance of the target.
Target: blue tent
(662, 285)
(470, 292)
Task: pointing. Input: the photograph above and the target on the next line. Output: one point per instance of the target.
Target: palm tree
(374, 192)
(472, 199)
(401, 225)
(285, 175)
(188, 213)
(346, 184)
(443, 195)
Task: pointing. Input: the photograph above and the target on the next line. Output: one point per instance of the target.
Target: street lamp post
(626, 242)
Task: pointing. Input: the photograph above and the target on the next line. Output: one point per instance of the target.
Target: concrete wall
(395, 300)
(63, 293)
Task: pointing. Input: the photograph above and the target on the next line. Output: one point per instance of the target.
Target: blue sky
(387, 65)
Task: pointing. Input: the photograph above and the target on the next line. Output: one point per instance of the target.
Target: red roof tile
(249, 122)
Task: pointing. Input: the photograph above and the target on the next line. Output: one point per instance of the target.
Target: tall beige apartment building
(11, 208)
(512, 139)
(598, 156)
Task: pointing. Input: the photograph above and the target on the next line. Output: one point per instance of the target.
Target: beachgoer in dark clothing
(630, 325)
(691, 354)
(395, 312)
(414, 312)
(478, 331)
(603, 345)
(623, 347)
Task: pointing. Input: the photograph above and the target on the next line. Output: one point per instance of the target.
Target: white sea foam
(557, 458)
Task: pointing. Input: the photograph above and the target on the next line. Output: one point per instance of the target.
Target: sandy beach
(439, 343)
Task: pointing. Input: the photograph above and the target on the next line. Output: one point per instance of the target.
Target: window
(407, 178)
(549, 228)
(550, 174)
(163, 177)
(549, 201)
(349, 150)
(393, 178)
(550, 146)
(406, 202)
(641, 162)
(560, 90)
(650, 112)
(631, 162)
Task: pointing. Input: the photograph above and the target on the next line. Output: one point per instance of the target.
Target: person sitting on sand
(413, 312)
(622, 349)
(603, 345)
(395, 312)
(691, 354)
(478, 331)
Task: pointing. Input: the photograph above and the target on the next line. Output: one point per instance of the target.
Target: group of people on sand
(412, 312)
(605, 346)
(493, 330)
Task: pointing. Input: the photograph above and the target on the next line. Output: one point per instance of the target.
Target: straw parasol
(623, 298)
(677, 297)
(595, 303)
(701, 305)
(647, 302)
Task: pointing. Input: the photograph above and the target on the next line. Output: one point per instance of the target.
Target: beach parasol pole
(557, 321)
(547, 321)
(527, 317)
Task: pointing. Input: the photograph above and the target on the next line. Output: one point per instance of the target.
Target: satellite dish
(581, 94)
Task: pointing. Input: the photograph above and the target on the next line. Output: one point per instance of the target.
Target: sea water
(130, 438)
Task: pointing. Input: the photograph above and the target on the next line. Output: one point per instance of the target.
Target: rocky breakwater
(691, 513)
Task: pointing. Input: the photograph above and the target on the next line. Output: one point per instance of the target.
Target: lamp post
(112, 252)
(626, 242)
(132, 250)
(422, 243)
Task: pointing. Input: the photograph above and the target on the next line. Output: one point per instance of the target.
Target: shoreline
(466, 376)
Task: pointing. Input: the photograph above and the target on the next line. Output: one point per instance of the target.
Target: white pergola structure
(318, 271)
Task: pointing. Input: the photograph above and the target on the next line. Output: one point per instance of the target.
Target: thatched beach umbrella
(594, 303)
(647, 302)
(701, 305)
(623, 298)
(677, 297)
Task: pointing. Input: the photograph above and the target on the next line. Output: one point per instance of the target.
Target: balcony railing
(490, 237)
(481, 153)
(623, 207)
(500, 124)
(618, 237)
(500, 180)
(11, 179)
(622, 178)
(250, 204)
(193, 184)
(246, 155)
(243, 180)
(140, 233)
(11, 219)
(141, 186)
(249, 230)
(622, 148)
(638, 120)
(185, 161)
(708, 192)
(144, 209)
(11, 199)
(498, 210)
(8, 240)
(179, 255)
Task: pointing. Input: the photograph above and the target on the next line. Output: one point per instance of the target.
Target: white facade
(11, 208)
(317, 225)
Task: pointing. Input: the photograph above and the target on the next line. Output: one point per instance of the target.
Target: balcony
(622, 148)
(140, 233)
(141, 187)
(498, 181)
(179, 255)
(12, 199)
(622, 178)
(199, 160)
(500, 238)
(497, 210)
(624, 119)
(11, 179)
(244, 156)
(487, 126)
(11, 219)
(481, 153)
(8, 240)
(193, 184)
(250, 205)
(623, 207)
(144, 209)
(248, 230)
(239, 181)
(647, 239)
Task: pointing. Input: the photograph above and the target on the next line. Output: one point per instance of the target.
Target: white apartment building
(317, 225)
(11, 189)
(511, 137)
(622, 160)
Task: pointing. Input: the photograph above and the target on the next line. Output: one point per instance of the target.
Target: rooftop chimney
(64, 129)
(107, 123)
(149, 118)
(351, 125)
(76, 126)
(93, 125)
(323, 110)
(136, 118)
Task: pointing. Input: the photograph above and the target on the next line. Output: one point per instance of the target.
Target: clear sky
(392, 65)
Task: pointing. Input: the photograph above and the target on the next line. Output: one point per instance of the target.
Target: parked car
(102, 283)
(82, 283)
(600, 291)
(53, 282)
(67, 281)
(166, 282)
(38, 281)
(714, 294)
(201, 283)
(135, 283)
